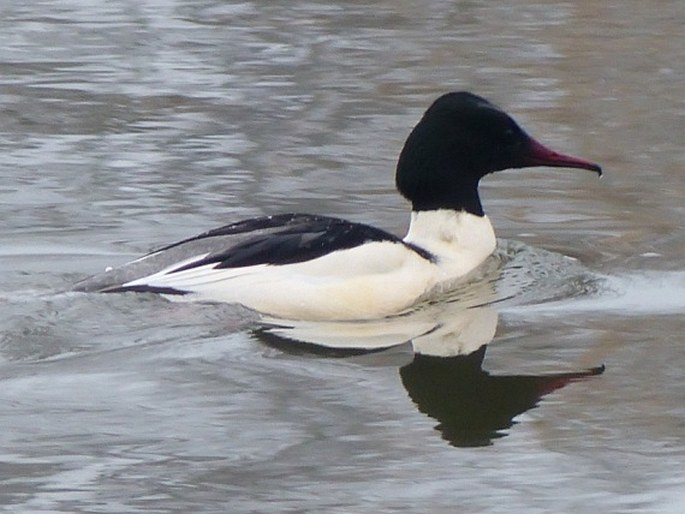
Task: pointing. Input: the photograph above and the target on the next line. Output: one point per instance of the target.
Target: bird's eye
(510, 137)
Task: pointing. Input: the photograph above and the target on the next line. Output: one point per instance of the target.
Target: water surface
(126, 126)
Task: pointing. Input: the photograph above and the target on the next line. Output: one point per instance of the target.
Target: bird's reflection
(472, 406)
(443, 373)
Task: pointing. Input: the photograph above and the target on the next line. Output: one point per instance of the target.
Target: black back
(298, 238)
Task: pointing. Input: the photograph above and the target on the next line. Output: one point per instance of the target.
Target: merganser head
(460, 139)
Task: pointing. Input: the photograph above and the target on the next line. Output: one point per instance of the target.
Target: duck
(319, 268)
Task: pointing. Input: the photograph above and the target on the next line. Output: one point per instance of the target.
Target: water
(126, 126)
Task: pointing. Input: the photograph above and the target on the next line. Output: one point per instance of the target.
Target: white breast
(461, 241)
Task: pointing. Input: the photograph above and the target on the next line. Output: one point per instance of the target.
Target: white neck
(459, 240)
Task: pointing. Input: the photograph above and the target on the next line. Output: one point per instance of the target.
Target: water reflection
(443, 371)
(473, 406)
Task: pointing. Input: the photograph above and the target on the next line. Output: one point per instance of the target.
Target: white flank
(369, 281)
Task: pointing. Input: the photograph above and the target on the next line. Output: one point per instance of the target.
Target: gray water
(128, 125)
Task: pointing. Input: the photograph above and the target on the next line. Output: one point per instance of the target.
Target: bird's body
(300, 266)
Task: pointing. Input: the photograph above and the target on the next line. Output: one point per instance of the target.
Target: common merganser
(308, 267)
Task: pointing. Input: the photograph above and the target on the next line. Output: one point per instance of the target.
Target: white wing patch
(150, 279)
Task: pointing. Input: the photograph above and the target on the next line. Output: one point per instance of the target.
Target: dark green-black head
(460, 139)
